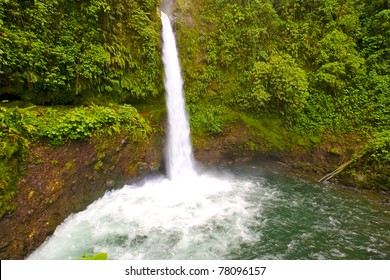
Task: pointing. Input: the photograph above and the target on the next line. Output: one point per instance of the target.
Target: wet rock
(162, 168)
(35, 219)
(143, 169)
(124, 142)
(3, 246)
(110, 184)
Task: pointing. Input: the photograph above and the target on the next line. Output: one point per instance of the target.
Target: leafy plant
(14, 125)
(20, 126)
(64, 52)
(83, 122)
(96, 257)
(379, 149)
(207, 119)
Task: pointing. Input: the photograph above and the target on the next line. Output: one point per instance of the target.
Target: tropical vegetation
(310, 68)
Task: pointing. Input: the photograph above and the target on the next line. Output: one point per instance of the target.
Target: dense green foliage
(73, 52)
(379, 149)
(83, 122)
(20, 126)
(65, 52)
(319, 66)
(303, 68)
(14, 125)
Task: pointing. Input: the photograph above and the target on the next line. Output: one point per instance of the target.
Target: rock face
(59, 181)
(62, 180)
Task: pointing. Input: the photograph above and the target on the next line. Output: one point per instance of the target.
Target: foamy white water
(190, 216)
(206, 218)
(179, 155)
(187, 216)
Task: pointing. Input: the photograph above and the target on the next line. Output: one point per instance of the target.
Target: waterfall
(217, 215)
(184, 216)
(179, 155)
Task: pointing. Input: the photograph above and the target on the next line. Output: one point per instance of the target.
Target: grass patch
(275, 133)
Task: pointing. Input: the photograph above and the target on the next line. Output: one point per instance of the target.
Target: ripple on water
(260, 216)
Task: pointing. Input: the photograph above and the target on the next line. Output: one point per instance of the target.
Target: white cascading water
(188, 216)
(179, 156)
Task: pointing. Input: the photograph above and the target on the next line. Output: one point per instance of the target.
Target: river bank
(60, 180)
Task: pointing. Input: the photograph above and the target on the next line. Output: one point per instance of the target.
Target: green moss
(21, 126)
(271, 131)
(315, 139)
(69, 165)
(98, 165)
(51, 225)
(251, 146)
(335, 151)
